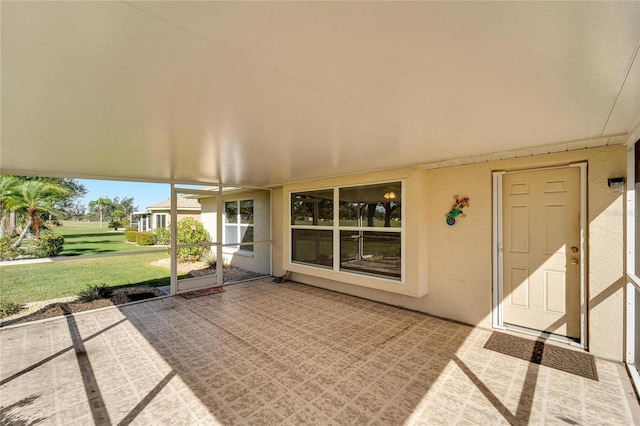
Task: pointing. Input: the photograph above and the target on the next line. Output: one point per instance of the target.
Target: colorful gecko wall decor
(456, 210)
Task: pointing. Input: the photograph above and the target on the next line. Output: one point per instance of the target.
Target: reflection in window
(312, 208)
(238, 227)
(312, 246)
(376, 253)
(369, 218)
(372, 206)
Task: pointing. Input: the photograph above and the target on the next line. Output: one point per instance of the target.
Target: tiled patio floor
(263, 353)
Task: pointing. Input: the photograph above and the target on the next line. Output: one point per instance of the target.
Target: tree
(36, 197)
(116, 219)
(11, 193)
(99, 205)
(76, 211)
(9, 196)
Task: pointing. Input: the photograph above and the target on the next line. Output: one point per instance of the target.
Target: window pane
(376, 253)
(312, 208)
(310, 246)
(246, 237)
(231, 234)
(246, 211)
(231, 211)
(371, 205)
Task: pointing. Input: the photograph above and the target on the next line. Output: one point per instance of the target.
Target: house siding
(453, 264)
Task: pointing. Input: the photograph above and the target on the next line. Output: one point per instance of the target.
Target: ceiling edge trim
(608, 140)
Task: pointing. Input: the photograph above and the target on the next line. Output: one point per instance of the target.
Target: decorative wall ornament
(456, 210)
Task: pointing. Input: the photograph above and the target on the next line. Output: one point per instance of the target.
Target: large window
(238, 226)
(367, 224)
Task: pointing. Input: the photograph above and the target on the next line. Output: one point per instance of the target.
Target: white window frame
(336, 228)
(165, 219)
(311, 228)
(238, 226)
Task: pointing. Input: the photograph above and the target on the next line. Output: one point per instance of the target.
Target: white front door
(541, 250)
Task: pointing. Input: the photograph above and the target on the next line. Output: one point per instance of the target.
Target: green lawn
(87, 238)
(43, 281)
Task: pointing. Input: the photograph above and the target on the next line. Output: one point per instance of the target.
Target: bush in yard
(191, 231)
(8, 307)
(94, 292)
(209, 257)
(7, 251)
(144, 238)
(48, 245)
(162, 236)
(115, 224)
(131, 235)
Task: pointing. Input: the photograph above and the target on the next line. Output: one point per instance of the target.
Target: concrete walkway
(266, 354)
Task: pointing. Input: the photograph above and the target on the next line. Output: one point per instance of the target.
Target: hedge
(131, 236)
(144, 238)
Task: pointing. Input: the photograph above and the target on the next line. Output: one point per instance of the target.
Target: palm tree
(9, 196)
(99, 205)
(37, 197)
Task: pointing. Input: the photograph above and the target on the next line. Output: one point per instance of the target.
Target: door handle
(574, 261)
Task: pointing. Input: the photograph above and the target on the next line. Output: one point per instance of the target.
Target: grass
(44, 281)
(87, 238)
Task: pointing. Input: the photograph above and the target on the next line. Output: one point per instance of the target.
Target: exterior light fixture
(390, 195)
(616, 184)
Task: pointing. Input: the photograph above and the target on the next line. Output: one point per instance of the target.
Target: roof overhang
(264, 93)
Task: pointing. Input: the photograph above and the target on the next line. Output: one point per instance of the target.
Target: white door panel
(541, 271)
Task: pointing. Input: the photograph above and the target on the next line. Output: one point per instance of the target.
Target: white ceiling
(266, 93)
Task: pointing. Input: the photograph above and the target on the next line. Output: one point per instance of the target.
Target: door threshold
(545, 335)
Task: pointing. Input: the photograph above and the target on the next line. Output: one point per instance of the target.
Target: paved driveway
(264, 353)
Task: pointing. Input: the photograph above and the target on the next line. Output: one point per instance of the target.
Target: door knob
(574, 249)
(574, 261)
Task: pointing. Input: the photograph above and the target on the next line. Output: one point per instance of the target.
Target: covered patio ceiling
(262, 94)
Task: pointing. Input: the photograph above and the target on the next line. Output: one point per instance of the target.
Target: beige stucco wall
(456, 262)
(260, 260)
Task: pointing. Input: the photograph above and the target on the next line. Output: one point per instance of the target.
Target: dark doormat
(567, 360)
(205, 292)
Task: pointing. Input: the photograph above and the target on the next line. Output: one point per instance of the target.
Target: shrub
(191, 231)
(94, 292)
(48, 245)
(144, 238)
(131, 236)
(115, 224)
(130, 228)
(7, 251)
(162, 236)
(209, 257)
(8, 307)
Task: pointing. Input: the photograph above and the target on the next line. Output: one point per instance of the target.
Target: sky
(144, 194)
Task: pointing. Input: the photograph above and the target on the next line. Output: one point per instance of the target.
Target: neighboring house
(158, 215)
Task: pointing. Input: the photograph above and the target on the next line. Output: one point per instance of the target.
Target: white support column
(219, 230)
(630, 246)
(174, 241)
